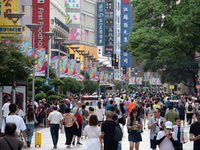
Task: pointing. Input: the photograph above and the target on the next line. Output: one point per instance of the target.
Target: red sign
(41, 15)
(122, 77)
(81, 77)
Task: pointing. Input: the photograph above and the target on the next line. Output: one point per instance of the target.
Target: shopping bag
(185, 137)
(62, 130)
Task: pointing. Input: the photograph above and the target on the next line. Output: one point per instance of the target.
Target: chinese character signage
(125, 30)
(7, 6)
(72, 4)
(100, 24)
(9, 29)
(41, 15)
(109, 27)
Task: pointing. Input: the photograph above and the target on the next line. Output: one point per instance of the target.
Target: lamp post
(59, 40)
(33, 28)
(74, 48)
(67, 44)
(48, 35)
(14, 17)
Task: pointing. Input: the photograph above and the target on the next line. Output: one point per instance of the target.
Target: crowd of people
(103, 125)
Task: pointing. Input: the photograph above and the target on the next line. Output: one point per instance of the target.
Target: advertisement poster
(92, 73)
(29, 52)
(131, 80)
(64, 66)
(73, 18)
(54, 63)
(72, 70)
(101, 77)
(40, 62)
(23, 46)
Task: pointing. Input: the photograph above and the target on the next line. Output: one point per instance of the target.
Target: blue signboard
(125, 30)
(100, 23)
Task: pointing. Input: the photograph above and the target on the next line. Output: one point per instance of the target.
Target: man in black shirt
(108, 132)
(195, 132)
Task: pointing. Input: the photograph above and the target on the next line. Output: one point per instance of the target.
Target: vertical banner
(63, 66)
(29, 52)
(109, 27)
(134, 80)
(41, 15)
(92, 73)
(100, 24)
(139, 80)
(40, 62)
(101, 77)
(54, 63)
(131, 80)
(72, 71)
(125, 30)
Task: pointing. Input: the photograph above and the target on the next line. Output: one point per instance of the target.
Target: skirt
(92, 144)
(134, 136)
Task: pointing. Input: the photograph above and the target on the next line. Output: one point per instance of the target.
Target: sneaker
(54, 146)
(78, 143)
(73, 142)
(68, 146)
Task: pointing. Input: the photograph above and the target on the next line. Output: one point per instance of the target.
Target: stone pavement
(47, 143)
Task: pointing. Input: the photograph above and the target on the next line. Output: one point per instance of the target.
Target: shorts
(182, 117)
(153, 143)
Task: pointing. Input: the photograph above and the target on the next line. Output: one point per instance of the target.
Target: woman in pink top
(126, 104)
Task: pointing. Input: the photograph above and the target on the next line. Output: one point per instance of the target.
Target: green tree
(118, 84)
(90, 86)
(38, 84)
(56, 82)
(52, 72)
(14, 65)
(165, 37)
(83, 72)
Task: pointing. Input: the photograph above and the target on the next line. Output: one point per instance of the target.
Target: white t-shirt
(166, 144)
(17, 120)
(99, 113)
(5, 108)
(92, 131)
(55, 117)
(20, 113)
(186, 107)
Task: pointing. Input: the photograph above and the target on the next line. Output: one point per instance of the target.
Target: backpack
(190, 107)
(118, 133)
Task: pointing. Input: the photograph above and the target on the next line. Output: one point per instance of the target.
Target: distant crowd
(103, 124)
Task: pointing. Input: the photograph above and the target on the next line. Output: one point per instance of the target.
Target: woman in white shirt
(99, 113)
(93, 132)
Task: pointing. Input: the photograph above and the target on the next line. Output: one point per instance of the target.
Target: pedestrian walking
(108, 132)
(171, 115)
(93, 132)
(134, 126)
(100, 113)
(5, 108)
(195, 132)
(190, 109)
(77, 111)
(126, 104)
(69, 119)
(30, 120)
(156, 123)
(182, 111)
(11, 141)
(55, 120)
(178, 130)
(167, 139)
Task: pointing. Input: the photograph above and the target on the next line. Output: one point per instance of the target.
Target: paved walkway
(47, 143)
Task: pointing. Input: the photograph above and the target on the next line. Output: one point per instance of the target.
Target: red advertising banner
(41, 15)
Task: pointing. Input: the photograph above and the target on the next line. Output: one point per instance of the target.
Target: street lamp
(59, 40)
(33, 28)
(67, 44)
(14, 17)
(74, 48)
(48, 35)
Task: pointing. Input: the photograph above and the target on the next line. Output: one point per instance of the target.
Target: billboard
(73, 18)
(7, 6)
(109, 27)
(125, 30)
(41, 15)
(100, 23)
(75, 4)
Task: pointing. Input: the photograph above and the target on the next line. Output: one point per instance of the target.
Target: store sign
(7, 6)
(75, 4)
(9, 29)
(125, 30)
(41, 15)
(109, 27)
(100, 24)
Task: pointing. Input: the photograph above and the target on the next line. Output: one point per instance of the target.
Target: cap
(168, 125)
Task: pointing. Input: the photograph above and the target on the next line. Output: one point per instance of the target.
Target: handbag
(78, 117)
(62, 130)
(185, 137)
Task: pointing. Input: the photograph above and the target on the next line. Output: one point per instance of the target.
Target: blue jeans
(54, 128)
(119, 146)
(29, 132)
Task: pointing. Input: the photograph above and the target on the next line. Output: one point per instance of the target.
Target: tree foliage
(118, 84)
(14, 65)
(165, 37)
(90, 86)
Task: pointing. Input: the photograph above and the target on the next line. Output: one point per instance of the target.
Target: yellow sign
(10, 29)
(7, 6)
(171, 87)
